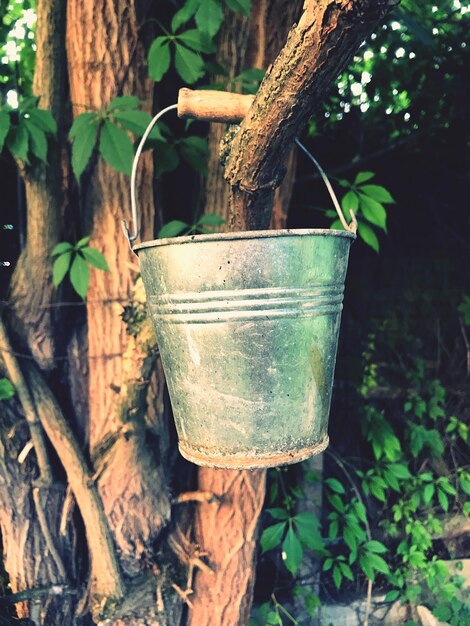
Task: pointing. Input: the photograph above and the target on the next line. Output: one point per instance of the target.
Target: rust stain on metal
(224, 459)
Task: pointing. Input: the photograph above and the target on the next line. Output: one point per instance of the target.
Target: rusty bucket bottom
(249, 461)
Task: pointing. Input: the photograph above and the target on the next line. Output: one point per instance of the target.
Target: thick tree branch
(31, 286)
(317, 50)
(105, 571)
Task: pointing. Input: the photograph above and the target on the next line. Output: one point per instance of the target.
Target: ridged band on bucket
(246, 304)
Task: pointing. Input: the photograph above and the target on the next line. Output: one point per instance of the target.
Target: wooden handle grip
(213, 106)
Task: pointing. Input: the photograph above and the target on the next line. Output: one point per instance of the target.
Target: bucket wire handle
(352, 227)
(133, 236)
(135, 222)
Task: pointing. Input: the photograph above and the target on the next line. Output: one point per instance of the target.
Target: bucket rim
(242, 235)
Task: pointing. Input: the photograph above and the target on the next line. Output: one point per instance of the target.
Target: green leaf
(95, 258)
(239, 6)
(391, 480)
(184, 14)
(44, 120)
(333, 530)
(361, 177)
(158, 58)
(272, 536)
(443, 499)
(188, 64)
(336, 225)
(124, 103)
(428, 493)
(366, 566)
(349, 202)
(84, 133)
(116, 147)
(368, 236)
(292, 551)
(81, 122)
(209, 17)
(195, 151)
(137, 122)
(335, 485)
(26, 104)
(375, 546)
(210, 219)
(346, 570)
(378, 193)
(373, 211)
(445, 485)
(350, 538)
(443, 612)
(307, 526)
(61, 267)
(464, 484)
(378, 563)
(60, 248)
(18, 142)
(7, 390)
(377, 490)
(4, 127)
(80, 276)
(167, 158)
(38, 141)
(278, 513)
(172, 229)
(337, 576)
(399, 470)
(327, 564)
(392, 595)
(84, 241)
(336, 502)
(197, 40)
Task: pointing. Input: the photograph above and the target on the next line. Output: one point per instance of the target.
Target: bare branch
(105, 572)
(317, 50)
(16, 377)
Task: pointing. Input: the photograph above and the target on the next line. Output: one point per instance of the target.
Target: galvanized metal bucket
(247, 326)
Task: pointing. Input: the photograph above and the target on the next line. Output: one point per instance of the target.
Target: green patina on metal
(247, 326)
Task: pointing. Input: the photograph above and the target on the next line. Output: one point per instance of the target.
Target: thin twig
(466, 341)
(196, 496)
(47, 534)
(16, 377)
(34, 594)
(105, 570)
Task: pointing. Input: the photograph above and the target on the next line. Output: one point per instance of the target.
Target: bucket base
(238, 461)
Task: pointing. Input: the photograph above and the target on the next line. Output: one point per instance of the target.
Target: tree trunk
(106, 59)
(31, 289)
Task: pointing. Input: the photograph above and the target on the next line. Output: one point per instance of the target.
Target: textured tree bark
(34, 550)
(106, 59)
(31, 288)
(27, 559)
(227, 530)
(317, 50)
(244, 44)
